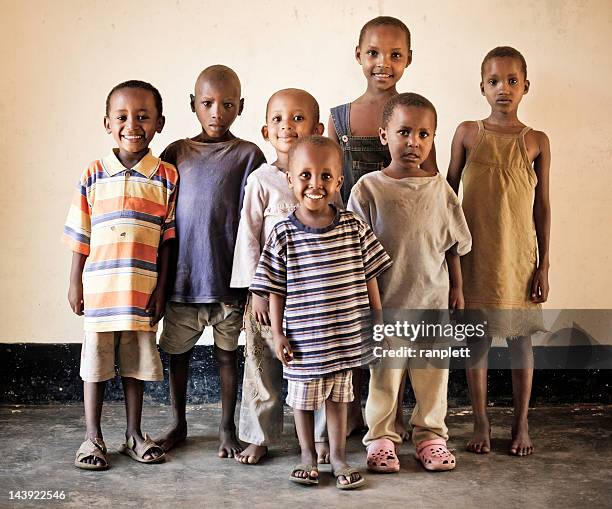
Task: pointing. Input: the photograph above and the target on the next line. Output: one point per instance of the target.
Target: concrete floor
(571, 467)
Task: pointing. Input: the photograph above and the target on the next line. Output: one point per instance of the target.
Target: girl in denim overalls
(383, 53)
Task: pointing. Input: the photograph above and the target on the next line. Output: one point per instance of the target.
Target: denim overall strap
(362, 154)
(340, 117)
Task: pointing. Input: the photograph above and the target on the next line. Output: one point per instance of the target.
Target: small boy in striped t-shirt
(119, 229)
(319, 268)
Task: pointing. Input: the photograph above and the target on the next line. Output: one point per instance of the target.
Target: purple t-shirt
(212, 177)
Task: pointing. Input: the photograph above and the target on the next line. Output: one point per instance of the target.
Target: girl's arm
(541, 216)
(455, 294)
(282, 348)
(458, 157)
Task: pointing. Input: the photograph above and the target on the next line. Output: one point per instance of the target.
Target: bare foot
(322, 449)
(354, 420)
(481, 440)
(173, 437)
(521, 442)
(252, 454)
(229, 446)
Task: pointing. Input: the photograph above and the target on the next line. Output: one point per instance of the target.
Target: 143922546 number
(37, 495)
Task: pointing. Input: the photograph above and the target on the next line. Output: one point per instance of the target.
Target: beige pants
(261, 407)
(430, 386)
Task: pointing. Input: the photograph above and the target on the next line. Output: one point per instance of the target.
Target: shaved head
(306, 100)
(319, 143)
(218, 75)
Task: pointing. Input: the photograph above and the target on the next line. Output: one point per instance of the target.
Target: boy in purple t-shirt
(213, 168)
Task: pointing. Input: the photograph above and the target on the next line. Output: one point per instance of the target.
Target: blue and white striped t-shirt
(322, 274)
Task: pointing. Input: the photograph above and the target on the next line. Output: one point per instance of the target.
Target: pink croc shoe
(434, 455)
(382, 457)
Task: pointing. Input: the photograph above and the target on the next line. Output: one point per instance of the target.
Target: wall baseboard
(34, 373)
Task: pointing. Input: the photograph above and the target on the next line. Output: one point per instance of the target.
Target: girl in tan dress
(504, 166)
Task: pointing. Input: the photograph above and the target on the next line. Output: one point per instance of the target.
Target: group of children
(335, 230)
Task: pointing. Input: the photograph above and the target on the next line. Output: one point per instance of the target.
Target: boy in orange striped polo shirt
(118, 229)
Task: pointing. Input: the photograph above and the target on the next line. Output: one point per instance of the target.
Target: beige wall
(60, 58)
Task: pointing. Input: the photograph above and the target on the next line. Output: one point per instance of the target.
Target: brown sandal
(138, 452)
(91, 449)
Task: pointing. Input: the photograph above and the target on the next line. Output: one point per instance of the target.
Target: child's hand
(261, 310)
(282, 348)
(455, 298)
(156, 305)
(75, 297)
(539, 285)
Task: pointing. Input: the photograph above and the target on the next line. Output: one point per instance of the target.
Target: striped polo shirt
(322, 274)
(118, 219)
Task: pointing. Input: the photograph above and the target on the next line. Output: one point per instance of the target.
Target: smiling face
(315, 175)
(383, 55)
(503, 84)
(291, 114)
(216, 103)
(133, 120)
(410, 135)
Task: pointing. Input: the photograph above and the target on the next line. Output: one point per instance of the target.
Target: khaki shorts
(311, 394)
(184, 324)
(133, 352)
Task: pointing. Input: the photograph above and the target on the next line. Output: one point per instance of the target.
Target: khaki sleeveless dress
(498, 193)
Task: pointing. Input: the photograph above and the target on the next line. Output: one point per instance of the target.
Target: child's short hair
(385, 21)
(310, 97)
(407, 99)
(137, 84)
(505, 52)
(316, 141)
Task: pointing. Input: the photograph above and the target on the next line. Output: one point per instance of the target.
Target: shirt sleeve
(375, 258)
(460, 237)
(169, 154)
(271, 274)
(77, 229)
(168, 230)
(358, 204)
(255, 159)
(248, 244)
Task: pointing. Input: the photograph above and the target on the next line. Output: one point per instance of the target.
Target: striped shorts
(311, 394)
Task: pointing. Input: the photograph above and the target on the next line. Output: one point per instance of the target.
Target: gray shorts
(184, 324)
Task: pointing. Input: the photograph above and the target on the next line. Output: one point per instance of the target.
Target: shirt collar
(147, 166)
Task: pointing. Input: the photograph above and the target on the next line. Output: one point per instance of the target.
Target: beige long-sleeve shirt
(267, 200)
